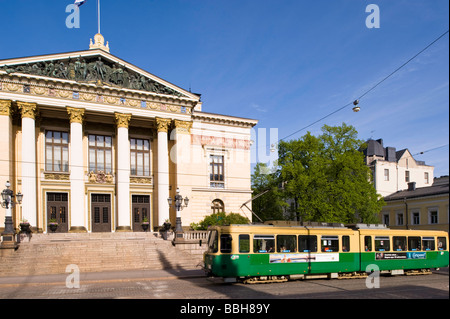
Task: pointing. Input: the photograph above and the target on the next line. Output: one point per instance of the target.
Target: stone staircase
(95, 252)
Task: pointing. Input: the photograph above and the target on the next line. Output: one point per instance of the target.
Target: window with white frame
(399, 219)
(415, 217)
(433, 215)
(386, 174)
(427, 177)
(407, 176)
(217, 174)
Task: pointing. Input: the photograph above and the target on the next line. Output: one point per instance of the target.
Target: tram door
(141, 209)
(101, 212)
(57, 209)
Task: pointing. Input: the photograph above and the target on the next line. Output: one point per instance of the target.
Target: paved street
(191, 284)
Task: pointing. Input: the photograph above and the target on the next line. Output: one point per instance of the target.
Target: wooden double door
(57, 210)
(101, 213)
(140, 208)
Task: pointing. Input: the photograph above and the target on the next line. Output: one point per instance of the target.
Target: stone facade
(91, 147)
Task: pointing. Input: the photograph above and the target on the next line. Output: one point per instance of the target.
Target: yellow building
(418, 207)
(99, 144)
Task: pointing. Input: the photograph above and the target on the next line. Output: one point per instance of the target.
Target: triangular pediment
(94, 66)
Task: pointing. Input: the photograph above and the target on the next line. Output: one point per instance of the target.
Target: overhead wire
(371, 89)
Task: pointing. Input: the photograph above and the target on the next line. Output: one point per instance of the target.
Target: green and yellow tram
(261, 253)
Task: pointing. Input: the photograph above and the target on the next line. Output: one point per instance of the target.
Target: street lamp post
(8, 203)
(178, 206)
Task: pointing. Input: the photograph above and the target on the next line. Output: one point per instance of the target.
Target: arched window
(217, 206)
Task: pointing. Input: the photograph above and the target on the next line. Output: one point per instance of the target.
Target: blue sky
(286, 63)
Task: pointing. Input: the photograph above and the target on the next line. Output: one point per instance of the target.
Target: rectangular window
(386, 174)
(399, 243)
(225, 243)
(56, 151)
(386, 219)
(416, 218)
(433, 216)
(382, 243)
(414, 243)
(427, 177)
(244, 243)
(100, 153)
(407, 176)
(140, 157)
(263, 243)
(307, 243)
(399, 219)
(216, 174)
(345, 243)
(330, 243)
(213, 242)
(428, 243)
(442, 243)
(368, 243)
(286, 243)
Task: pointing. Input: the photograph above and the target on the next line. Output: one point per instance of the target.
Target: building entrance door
(101, 212)
(141, 209)
(57, 209)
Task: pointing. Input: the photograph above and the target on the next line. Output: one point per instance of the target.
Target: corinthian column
(123, 173)
(7, 149)
(78, 218)
(180, 154)
(163, 170)
(28, 112)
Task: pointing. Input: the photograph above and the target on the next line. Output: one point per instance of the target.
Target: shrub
(220, 219)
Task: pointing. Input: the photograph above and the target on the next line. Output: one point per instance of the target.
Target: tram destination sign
(405, 255)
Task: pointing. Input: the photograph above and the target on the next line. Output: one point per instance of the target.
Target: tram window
(286, 244)
(330, 243)
(213, 242)
(399, 243)
(382, 243)
(442, 243)
(414, 243)
(345, 243)
(263, 243)
(368, 243)
(307, 243)
(428, 243)
(244, 243)
(225, 243)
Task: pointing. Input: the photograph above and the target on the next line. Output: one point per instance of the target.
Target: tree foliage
(270, 205)
(326, 178)
(220, 219)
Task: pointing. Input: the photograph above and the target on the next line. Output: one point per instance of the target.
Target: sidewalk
(98, 277)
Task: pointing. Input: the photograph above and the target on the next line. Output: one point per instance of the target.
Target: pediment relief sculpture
(92, 70)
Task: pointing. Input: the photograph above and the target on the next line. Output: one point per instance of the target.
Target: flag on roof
(79, 2)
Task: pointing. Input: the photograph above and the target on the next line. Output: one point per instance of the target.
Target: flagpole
(98, 15)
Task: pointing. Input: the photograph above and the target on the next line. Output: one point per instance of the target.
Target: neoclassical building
(99, 145)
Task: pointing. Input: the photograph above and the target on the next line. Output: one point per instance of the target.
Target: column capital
(183, 127)
(5, 107)
(27, 109)
(122, 119)
(163, 124)
(76, 115)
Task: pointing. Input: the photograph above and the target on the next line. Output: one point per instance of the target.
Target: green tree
(327, 178)
(268, 206)
(220, 219)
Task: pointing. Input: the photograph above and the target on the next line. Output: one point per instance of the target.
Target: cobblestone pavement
(192, 285)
